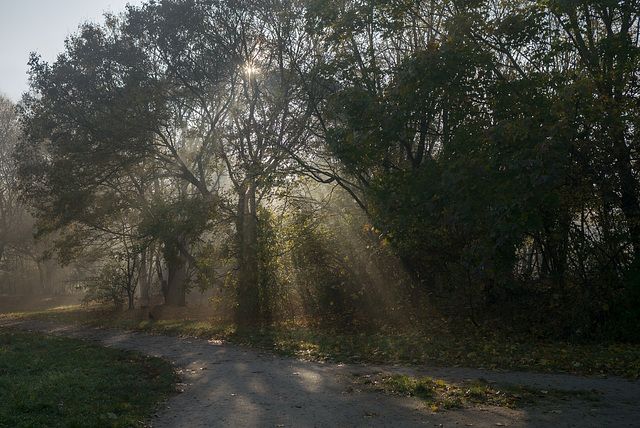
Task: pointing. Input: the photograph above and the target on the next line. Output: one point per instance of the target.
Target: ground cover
(440, 395)
(227, 385)
(48, 380)
(440, 345)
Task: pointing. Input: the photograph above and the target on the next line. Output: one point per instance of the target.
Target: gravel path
(228, 386)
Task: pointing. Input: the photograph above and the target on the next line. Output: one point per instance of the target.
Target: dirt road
(227, 386)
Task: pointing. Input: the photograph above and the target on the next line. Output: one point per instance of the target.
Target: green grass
(56, 381)
(441, 395)
(439, 345)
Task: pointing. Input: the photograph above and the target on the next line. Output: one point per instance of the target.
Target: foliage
(320, 272)
(492, 146)
(12, 214)
(109, 287)
(483, 152)
(272, 295)
(176, 126)
(340, 272)
(624, 324)
(20, 255)
(47, 379)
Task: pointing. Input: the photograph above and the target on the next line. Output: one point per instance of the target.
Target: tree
(484, 153)
(17, 246)
(603, 41)
(119, 276)
(201, 97)
(12, 214)
(234, 63)
(101, 135)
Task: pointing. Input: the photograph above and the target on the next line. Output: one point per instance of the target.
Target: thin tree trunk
(146, 270)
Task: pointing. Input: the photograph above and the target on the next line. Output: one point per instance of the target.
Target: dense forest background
(344, 162)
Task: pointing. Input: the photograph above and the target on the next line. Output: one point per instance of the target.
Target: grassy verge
(48, 380)
(440, 395)
(439, 345)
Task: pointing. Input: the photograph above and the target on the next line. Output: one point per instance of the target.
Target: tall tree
(200, 94)
(487, 148)
(12, 213)
(603, 40)
(232, 66)
(95, 141)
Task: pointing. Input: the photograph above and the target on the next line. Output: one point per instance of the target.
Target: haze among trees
(344, 162)
(23, 265)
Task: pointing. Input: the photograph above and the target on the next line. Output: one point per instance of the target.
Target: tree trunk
(173, 288)
(175, 293)
(146, 271)
(131, 296)
(46, 271)
(248, 291)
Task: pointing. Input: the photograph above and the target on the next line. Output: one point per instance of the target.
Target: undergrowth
(439, 345)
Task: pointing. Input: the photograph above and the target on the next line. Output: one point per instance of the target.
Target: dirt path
(228, 386)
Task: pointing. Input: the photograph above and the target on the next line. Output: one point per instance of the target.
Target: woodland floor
(223, 385)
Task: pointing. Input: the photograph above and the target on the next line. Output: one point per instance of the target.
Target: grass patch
(439, 345)
(48, 380)
(441, 395)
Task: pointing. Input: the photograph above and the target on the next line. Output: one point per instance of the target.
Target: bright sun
(251, 69)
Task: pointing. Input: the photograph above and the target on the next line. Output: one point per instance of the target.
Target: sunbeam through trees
(344, 162)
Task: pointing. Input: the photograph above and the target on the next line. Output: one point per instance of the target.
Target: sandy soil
(227, 386)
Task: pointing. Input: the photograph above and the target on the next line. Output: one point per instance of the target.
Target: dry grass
(25, 303)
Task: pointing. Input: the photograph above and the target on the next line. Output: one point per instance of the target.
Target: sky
(41, 26)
